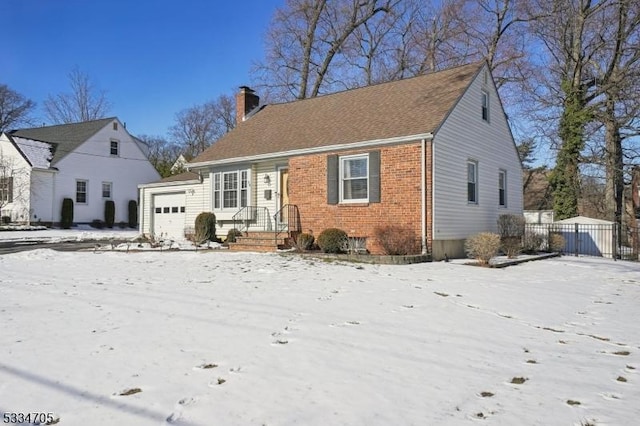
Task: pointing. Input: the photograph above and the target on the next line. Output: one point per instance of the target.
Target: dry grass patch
(518, 380)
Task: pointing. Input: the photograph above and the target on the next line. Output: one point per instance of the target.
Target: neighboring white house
(89, 162)
(432, 154)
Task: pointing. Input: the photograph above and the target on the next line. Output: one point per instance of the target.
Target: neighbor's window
(502, 188)
(114, 147)
(6, 189)
(106, 189)
(81, 191)
(472, 182)
(115, 125)
(354, 178)
(485, 106)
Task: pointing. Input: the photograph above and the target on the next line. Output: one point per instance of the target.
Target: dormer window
(485, 106)
(114, 148)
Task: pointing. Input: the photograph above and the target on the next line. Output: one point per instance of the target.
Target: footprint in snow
(177, 413)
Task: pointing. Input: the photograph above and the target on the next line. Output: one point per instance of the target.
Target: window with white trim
(114, 148)
(82, 189)
(354, 178)
(216, 191)
(485, 106)
(106, 189)
(502, 188)
(472, 182)
(231, 189)
(6, 189)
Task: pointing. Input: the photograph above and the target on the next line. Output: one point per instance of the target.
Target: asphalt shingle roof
(64, 137)
(400, 108)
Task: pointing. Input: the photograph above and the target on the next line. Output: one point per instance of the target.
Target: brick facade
(400, 187)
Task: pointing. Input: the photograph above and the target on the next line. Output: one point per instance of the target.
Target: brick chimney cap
(246, 89)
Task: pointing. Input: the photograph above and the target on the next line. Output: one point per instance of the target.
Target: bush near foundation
(133, 214)
(305, 241)
(66, 216)
(205, 227)
(332, 240)
(109, 213)
(232, 235)
(511, 230)
(482, 247)
(398, 241)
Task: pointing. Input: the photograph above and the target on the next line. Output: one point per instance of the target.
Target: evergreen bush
(66, 216)
(332, 240)
(232, 235)
(305, 241)
(133, 214)
(109, 213)
(205, 227)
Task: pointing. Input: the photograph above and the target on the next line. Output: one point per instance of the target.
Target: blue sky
(152, 57)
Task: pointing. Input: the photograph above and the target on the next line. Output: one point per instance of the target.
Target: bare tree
(305, 42)
(84, 103)
(196, 128)
(15, 109)
(162, 153)
(14, 188)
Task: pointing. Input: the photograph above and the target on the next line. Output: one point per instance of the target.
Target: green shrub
(109, 213)
(482, 246)
(305, 241)
(398, 241)
(133, 214)
(332, 240)
(232, 235)
(66, 216)
(205, 227)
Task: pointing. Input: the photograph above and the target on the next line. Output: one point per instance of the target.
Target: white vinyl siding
(463, 136)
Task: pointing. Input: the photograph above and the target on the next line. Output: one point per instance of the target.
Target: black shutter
(374, 177)
(332, 179)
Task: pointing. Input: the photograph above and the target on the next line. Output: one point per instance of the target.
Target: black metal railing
(603, 240)
(287, 219)
(252, 217)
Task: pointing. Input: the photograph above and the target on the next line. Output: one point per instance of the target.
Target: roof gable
(64, 137)
(400, 108)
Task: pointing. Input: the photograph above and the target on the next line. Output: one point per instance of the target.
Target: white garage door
(169, 215)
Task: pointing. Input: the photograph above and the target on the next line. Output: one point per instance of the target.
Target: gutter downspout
(423, 195)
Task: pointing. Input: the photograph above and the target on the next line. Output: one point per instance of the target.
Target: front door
(283, 197)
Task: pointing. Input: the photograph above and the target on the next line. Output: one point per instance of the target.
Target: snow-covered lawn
(79, 233)
(219, 338)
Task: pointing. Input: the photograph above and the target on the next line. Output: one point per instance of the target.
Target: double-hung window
(485, 106)
(354, 178)
(114, 148)
(231, 189)
(106, 189)
(82, 187)
(6, 189)
(472, 182)
(502, 188)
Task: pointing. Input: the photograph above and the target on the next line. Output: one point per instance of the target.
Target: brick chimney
(246, 101)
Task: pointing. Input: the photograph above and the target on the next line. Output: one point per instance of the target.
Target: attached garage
(169, 207)
(168, 217)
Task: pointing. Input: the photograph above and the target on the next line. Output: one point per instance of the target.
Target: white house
(89, 162)
(431, 154)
